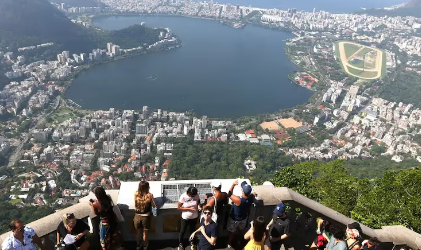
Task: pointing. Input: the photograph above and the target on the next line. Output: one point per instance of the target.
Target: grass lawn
(368, 74)
(13, 202)
(358, 65)
(350, 49)
(62, 115)
(384, 70)
(354, 71)
(360, 73)
(364, 51)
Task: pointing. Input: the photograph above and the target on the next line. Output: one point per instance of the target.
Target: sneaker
(193, 247)
(180, 247)
(145, 246)
(229, 246)
(139, 247)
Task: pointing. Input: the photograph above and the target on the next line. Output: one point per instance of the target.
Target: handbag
(214, 215)
(154, 209)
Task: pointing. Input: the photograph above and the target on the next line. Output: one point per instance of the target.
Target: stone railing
(303, 213)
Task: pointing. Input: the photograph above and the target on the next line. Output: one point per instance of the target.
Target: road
(18, 151)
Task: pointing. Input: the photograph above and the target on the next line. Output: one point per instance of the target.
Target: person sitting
(353, 233)
(22, 238)
(371, 244)
(323, 236)
(256, 235)
(76, 228)
(336, 242)
(209, 230)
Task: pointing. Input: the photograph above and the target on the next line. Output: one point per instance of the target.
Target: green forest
(405, 88)
(32, 22)
(391, 200)
(220, 160)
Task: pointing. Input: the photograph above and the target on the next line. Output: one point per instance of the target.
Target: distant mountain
(412, 8)
(413, 4)
(32, 22)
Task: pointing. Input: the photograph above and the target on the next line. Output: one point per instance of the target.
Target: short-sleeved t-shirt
(211, 231)
(80, 227)
(11, 243)
(189, 202)
(280, 226)
(338, 246)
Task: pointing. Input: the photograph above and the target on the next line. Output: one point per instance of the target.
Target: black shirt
(280, 226)
(211, 231)
(80, 227)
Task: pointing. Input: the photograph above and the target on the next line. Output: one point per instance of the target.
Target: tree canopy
(391, 200)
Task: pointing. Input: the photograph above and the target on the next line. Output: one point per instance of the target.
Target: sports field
(361, 61)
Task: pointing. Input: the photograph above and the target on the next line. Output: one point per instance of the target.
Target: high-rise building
(60, 58)
(204, 121)
(145, 112)
(109, 47)
(141, 128)
(83, 57)
(66, 55)
(126, 127)
(63, 6)
(159, 113)
(116, 50)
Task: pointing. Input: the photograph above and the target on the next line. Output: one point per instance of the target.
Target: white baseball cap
(216, 184)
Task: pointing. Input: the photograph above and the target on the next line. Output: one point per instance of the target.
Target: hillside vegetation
(31, 22)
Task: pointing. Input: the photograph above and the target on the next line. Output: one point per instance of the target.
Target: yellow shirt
(253, 245)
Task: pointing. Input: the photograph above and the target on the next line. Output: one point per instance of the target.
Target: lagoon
(219, 72)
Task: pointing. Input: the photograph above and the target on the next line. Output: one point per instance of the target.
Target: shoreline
(92, 18)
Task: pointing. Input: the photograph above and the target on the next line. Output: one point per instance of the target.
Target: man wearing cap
(237, 220)
(278, 228)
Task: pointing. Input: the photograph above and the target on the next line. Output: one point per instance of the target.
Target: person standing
(336, 242)
(144, 201)
(221, 199)
(22, 238)
(103, 207)
(237, 220)
(188, 205)
(278, 228)
(209, 230)
(256, 235)
(75, 227)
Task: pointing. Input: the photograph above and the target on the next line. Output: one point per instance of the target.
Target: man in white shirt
(22, 238)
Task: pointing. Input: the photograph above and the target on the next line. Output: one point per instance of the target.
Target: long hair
(103, 199)
(142, 196)
(259, 228)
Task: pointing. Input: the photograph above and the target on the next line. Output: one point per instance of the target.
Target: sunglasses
(207, 213)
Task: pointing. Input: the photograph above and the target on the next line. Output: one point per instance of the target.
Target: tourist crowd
(72, 232)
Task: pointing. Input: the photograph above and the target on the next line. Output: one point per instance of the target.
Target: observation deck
(164, 230)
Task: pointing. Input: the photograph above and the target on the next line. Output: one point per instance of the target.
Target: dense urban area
(54, 152)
